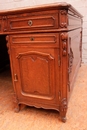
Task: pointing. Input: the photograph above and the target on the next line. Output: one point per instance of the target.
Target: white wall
(80, 5)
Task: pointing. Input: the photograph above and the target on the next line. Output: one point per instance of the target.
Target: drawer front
(44, 39)
(33, 22)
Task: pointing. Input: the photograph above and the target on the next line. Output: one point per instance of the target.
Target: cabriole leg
(63, 110)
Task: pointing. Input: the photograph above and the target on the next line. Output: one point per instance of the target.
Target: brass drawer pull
(32, 38)
(15, 77)
(30, 22)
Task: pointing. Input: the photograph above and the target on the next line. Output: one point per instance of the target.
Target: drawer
(44, 39)
(45, 21)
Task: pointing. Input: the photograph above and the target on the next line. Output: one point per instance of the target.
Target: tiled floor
(38, 119)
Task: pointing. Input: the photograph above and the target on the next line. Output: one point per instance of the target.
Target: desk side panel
(74, 56)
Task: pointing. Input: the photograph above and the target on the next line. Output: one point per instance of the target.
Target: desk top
(52, 6)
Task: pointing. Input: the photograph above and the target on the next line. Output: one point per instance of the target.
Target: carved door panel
(34, 73)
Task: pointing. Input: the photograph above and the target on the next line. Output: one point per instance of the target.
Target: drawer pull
(15, 77)
(30, 23)
(32, 38)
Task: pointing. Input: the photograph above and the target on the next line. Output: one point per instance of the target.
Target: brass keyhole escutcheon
(30, 22)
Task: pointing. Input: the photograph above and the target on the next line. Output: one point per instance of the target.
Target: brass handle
(30, 22)
(15, 77)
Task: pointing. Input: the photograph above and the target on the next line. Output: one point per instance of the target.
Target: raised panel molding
(43, 76)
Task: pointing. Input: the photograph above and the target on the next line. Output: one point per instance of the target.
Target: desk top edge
(50, 6)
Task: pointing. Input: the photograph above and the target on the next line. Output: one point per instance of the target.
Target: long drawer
(29, 22)
(32, 40)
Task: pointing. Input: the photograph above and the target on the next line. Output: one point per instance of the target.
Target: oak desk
(44, 45)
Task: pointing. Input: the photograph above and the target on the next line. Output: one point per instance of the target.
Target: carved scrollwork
(64, 37)
(63, 18)
(63, 109)
(64, 105)
(70, 60)
(34, 55)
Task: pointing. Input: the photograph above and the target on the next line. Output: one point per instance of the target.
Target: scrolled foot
(16, 110)
(63, 119)
(19, 107)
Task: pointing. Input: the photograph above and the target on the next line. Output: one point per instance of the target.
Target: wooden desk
(45, 49)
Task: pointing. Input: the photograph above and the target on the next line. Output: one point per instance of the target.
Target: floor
(38, 119)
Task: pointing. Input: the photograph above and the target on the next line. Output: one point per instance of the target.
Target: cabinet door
(35, 74)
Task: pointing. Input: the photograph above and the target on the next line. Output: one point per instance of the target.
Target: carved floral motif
(64, 105)
(70, 60)
(63, 18)
(64, 37)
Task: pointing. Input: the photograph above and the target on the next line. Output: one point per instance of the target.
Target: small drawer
(33, 22)
(36, 39)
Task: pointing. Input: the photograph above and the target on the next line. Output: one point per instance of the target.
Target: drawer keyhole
(30, 23)
(32, 38)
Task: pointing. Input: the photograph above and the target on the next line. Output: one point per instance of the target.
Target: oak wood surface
(44, 46)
